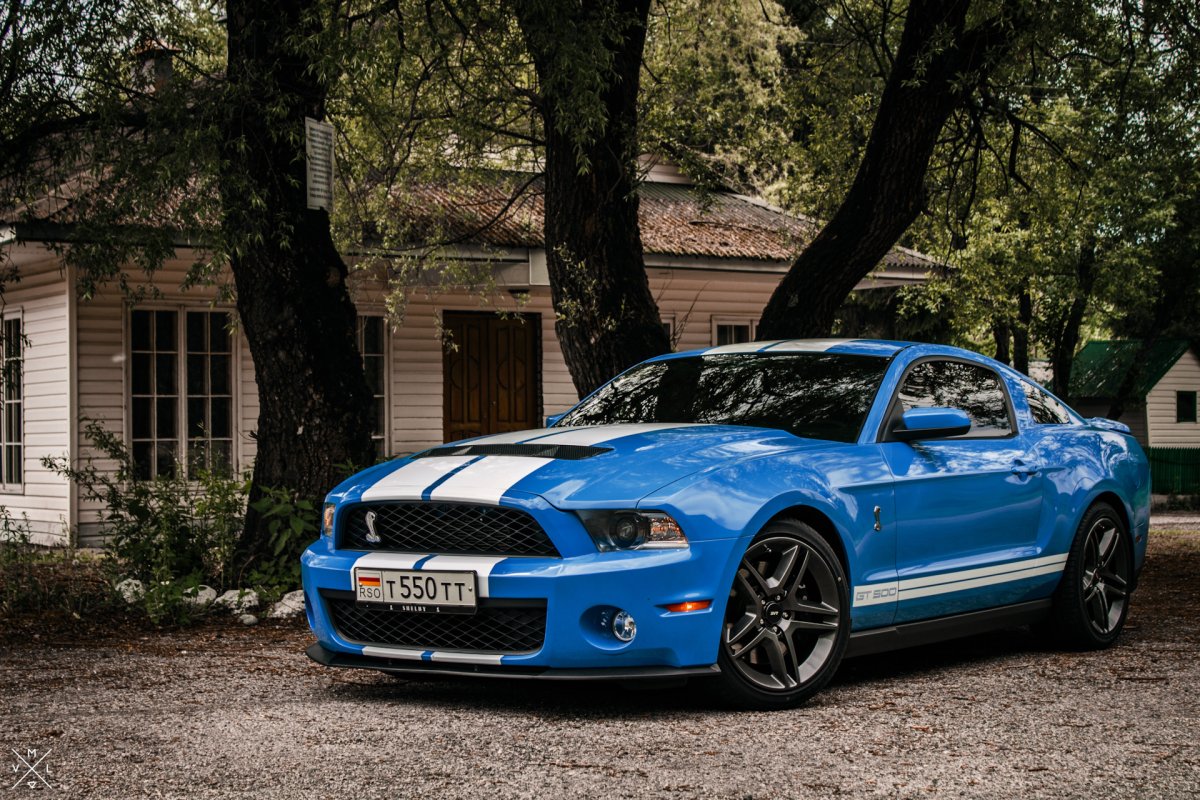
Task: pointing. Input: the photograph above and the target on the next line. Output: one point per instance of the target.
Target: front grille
(447, 528)
(491, 628)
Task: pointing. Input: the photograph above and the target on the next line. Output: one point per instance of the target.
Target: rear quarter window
(1044, 408)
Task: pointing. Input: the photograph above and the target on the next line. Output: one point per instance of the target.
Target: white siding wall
(40, 298)
(1160, 405)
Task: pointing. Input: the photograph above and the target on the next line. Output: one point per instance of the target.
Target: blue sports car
(755, 512)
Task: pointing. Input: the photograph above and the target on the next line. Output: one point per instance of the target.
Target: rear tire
(1092, 601)
(787, 621)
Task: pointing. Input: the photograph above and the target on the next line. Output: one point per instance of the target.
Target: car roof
(865, 347)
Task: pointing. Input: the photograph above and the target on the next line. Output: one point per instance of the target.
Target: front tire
(1092, 601)
(787, 621)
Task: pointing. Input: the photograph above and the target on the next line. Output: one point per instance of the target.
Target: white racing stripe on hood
(807, 345)
(599, 434)
(487, 479)
(409, 481)
(744, 347)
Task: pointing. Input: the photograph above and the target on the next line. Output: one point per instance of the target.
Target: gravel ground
(230, 712)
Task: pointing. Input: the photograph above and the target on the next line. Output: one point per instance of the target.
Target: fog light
(623, 626)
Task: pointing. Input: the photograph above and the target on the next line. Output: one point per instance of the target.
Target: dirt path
(230, 712)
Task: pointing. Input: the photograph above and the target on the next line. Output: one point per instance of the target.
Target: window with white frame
(372, 340)
(181, 391)
(12, 465)
(738, 330)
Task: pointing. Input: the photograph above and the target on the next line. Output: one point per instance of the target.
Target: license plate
(413, 590)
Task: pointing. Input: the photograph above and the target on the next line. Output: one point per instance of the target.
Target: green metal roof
(1100, 367)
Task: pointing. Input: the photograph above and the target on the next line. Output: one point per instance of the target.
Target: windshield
(814, 395)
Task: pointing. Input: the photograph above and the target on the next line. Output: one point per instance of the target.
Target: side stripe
(961, 580)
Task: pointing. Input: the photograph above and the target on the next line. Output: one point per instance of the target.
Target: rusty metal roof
(504, 210)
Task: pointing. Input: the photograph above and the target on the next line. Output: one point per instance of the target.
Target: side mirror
(553, 419)
(931, 423)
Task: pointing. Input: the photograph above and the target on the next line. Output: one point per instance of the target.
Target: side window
(1185, 406)
(372, 334)
(974, 389)
(732, 330)
(1045, 409)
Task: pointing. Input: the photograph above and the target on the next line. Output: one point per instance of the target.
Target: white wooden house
(167, 370)
(1162, 412)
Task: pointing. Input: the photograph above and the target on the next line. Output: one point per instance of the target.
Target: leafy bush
(38, 580)
(169, 533)
(291, 523)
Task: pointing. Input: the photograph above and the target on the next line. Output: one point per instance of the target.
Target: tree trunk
(1067, 341)
(1000, 334)
(936, 60)
(1020, 331)
(291, 283)
(607, 317)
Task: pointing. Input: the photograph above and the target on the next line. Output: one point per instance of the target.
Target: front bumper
(574, 590)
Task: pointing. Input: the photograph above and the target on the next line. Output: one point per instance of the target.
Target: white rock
(248, 619)
(200, 596)
(131, 590)
(238, 600)
(289, 605)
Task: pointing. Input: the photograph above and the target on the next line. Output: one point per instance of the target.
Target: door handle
(1020, 467)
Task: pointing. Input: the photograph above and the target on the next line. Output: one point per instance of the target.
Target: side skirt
(928, 631)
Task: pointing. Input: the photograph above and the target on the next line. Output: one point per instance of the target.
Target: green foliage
(291, 524)
(170, 533)
(40, 580)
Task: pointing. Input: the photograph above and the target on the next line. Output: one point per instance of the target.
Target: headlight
(632, 530)
(327, 520)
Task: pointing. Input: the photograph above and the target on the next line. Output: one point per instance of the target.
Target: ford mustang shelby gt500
(754, 512)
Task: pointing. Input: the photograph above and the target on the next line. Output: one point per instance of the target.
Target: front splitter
(330, 658)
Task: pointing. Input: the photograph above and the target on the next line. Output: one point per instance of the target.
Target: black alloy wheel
(1092, 601)
(787, 620)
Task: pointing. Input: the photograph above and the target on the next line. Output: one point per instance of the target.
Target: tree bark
(1067, 341)
(1000, 334)
(607, 317)
(936, 65)
(1020, 331)
(292, 297)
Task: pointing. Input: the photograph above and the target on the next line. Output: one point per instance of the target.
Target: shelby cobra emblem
(372, 536)
(748, 514)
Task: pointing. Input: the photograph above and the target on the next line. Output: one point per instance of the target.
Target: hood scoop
(564, 452)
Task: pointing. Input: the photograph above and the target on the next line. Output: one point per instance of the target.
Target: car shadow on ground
(611, 699)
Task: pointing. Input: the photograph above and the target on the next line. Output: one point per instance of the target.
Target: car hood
(605, 466)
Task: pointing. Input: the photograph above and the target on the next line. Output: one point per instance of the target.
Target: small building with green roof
(1162, 413)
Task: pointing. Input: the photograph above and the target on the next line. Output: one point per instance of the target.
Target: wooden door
(490, 380)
